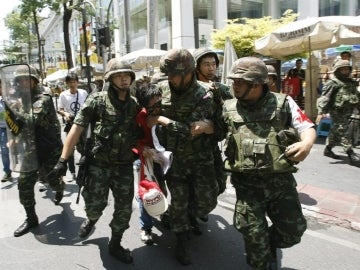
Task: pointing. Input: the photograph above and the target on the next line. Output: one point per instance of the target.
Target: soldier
(111, 114)
(207, 63)
(261, 151)
(37, 146)
(339, 98)
(188, 123)
(272, 79)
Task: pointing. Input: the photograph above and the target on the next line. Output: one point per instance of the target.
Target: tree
(244, 34)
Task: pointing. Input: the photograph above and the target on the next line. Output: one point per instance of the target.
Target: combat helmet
(341, 63)
(201, 52)
(177, 61)
(250, 69)
(271, 70)
(26, 71)
(116, 65)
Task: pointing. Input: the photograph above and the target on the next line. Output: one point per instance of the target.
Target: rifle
(84, 162)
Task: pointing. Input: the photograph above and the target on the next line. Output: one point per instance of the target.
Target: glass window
(203, 9)
(288, 4)
(244, 8)
(331, 7)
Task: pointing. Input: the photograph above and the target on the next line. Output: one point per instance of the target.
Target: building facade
(165, 24)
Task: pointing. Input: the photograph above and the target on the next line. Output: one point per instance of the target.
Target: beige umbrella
(144, 58)
(310, 34)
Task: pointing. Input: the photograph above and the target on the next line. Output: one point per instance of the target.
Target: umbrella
(144, 57)
(230, 57)
(337, 50)
(58, 75)
(310, 34)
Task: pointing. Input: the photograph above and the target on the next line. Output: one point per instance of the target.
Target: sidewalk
(328, 206)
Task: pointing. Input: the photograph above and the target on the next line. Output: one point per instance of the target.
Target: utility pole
(127, 26)
(86, 47)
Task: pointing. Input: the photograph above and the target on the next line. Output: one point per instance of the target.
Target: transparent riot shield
(16, 90)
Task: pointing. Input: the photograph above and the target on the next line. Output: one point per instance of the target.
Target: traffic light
(104, 36)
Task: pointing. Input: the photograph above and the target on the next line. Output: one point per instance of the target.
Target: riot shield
(16, 90)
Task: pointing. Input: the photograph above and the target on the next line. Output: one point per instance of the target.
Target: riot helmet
(271, 70)
(118, 66)
(177, 61)
(26, 71)
(250, 69)
(202, 52)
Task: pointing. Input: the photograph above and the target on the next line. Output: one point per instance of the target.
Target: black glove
(59, 169)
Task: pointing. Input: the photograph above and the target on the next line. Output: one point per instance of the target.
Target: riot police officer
(36, 145)
(111, 116)
(262, 148)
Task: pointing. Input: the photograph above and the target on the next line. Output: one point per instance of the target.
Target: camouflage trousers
(340, 132)
(275, 196)
(27, 181)
(100, 180)
(193, 187)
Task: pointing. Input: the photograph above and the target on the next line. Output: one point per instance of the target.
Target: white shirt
(67, 101)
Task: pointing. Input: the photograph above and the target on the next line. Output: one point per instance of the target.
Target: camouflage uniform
(193, 160)
(339, 98)
(48, 146)
(261, 176)
(110, 163)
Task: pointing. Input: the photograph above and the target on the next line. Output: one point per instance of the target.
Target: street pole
(86, 48)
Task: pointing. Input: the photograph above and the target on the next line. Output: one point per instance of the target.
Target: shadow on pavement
(306, 199)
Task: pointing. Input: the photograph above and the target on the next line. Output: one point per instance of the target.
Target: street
(54, 244)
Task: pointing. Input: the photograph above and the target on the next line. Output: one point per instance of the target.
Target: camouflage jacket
(115, 131)
(338, 96)
(192, 105)
(253, 143)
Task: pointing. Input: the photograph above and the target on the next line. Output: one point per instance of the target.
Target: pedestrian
(207, 63)
(70, 102)
(262, 147)
(112, 114)
(3, 141)
(149, 98)
(38, 144)
(298, 73)
(339, 98)
(188, 124)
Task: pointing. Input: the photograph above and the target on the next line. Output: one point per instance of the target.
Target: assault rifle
(84, 162)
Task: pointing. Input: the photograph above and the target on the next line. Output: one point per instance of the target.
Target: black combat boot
(329, 153)
(86, 227)
(181, 251)
(194, 225)
(353, 157)
(59, 194)
(116, 250)
(31, 221)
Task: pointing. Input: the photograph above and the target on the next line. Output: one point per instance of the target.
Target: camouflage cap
(177, 61)
(250, 69)
(116, 65)
(26, 71)
(201, 52)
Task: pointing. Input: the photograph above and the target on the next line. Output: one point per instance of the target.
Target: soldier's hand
(59, 169)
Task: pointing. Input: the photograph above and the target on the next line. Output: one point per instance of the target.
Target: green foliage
(244, 31)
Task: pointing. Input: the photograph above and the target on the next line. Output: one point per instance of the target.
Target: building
(165, 24)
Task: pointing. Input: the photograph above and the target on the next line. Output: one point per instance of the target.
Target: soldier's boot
(353, 157)
(273, 264)
(329, 153)
(59, 194)
(194, 225)
(181, 250)
(116, 250)
(30, 222)
(86, 227)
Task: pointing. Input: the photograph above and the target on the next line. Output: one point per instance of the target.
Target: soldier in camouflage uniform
(111, 114)
(339, 98)
(188, 124)
(47, 141)
(207, 63)
(260, 154)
